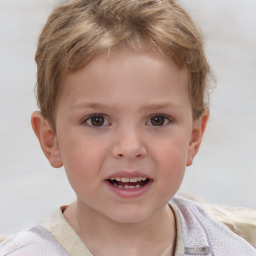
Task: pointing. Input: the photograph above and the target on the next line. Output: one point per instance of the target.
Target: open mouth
(129, 183)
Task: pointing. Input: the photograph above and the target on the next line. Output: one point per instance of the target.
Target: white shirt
(197, 234)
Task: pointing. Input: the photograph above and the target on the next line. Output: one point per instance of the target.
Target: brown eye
(158, 120)
(96, 121)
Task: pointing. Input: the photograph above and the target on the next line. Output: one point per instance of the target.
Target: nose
(129, 144)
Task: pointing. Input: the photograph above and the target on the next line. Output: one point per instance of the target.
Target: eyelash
(165, 119)
(88, 121)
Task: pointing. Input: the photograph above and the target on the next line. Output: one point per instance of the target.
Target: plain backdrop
(224, 171)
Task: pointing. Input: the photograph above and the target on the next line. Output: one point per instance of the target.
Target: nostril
(129, 150)
(130, 156)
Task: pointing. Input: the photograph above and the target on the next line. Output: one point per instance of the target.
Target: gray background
(224, 171)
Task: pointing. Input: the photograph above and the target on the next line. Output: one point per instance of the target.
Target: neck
(104, 236)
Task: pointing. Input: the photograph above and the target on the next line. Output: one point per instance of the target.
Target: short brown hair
(78, 30)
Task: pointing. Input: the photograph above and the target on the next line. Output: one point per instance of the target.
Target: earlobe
(199, 126)
(47, 138)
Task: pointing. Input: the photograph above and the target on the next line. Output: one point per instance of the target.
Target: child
(122, 88)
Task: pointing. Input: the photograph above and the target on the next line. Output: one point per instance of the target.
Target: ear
(199, 126)
(47, 138)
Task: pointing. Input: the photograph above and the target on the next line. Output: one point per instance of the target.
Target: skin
(145, 125)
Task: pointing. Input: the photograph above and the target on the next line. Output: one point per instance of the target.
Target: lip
(131, 192)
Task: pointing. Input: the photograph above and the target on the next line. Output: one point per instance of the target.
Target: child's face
(124, 118)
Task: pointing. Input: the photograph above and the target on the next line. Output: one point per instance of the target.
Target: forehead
(111, 64)
(146, 73)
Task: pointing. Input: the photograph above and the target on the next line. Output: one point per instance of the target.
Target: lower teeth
(126, 186)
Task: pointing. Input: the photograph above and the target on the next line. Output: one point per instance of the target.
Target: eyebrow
(93, 105)
(151, 106)
(162, 105)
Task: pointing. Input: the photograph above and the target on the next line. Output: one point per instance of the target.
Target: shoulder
(34, 241)
(199, 229)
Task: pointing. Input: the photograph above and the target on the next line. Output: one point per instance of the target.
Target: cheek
(171, 161)
(172, 153)
(83, 159)
(173, 166)
(82, 163)
(76, 150)
(77, 162)
(82, 174)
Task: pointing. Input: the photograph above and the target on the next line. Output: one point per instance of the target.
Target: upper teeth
(126, 179)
